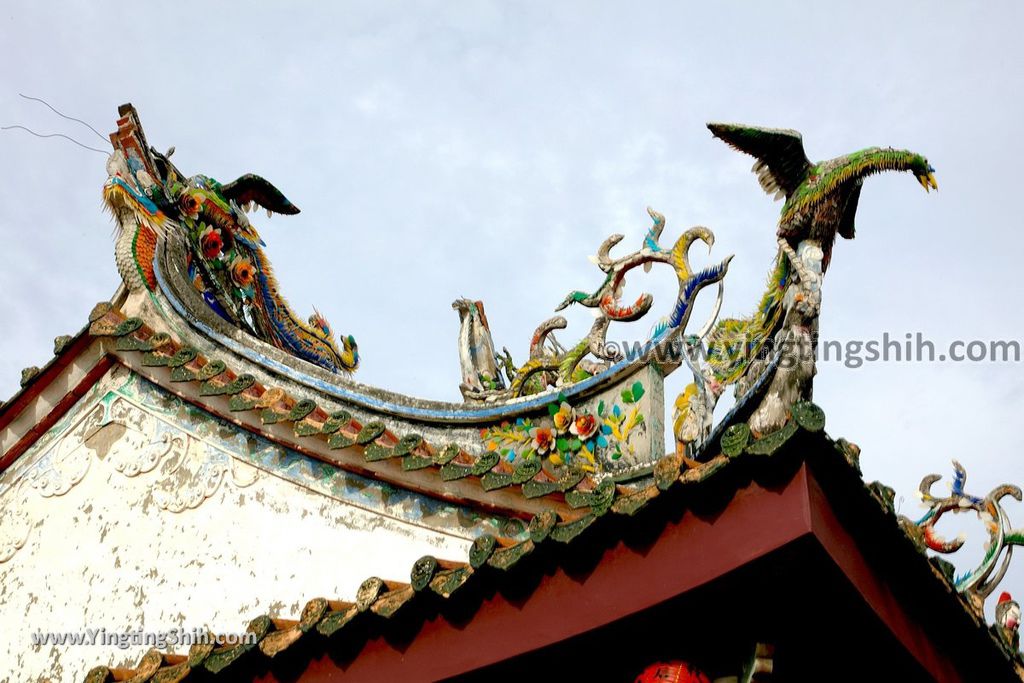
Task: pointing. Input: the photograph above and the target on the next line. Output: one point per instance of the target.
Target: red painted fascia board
(62, 406)
(689, 553)
(20, 401)
(843, 549)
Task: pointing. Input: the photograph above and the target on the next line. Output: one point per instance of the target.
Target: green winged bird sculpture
(820, 202)
(821, 199)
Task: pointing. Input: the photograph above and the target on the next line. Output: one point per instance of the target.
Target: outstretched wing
(253, 188)
(781, 162)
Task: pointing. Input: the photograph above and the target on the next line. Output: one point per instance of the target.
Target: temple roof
(571, 445)
(446, 592)
(595, 518)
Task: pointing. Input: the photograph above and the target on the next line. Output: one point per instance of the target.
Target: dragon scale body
(151, 199)
(281, 323)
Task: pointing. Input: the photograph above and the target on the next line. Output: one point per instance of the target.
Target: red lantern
(672, 672)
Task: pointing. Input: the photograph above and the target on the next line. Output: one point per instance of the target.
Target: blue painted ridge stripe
(398, 409)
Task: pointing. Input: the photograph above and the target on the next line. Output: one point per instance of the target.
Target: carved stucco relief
(116, 434)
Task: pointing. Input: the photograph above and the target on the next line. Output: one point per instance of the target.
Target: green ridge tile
(453, 471)
(221, 659)
(375, 452)
(371, 431)
(447, 582)
(481, 550)
(416, 462)
(563, 533)
(542, 524)
(336, 421)
(735, 439)
(495, 480)
(504, 558)
(770, 444)
(407, 444)
(334, 621)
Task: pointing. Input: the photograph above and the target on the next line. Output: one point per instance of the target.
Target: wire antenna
(62, 115)
(55, 135)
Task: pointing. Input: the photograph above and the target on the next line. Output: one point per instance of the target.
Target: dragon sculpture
(821, 202)
(150, 197)
(223, 260)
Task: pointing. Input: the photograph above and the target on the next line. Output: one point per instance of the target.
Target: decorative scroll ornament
(183, 471)
(145, 442)
(767, 357)
(197, 474)
(980, 582)
(151, 200)
(15, 526)
(552, 365)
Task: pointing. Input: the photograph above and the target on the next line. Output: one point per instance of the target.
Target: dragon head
(149, 197)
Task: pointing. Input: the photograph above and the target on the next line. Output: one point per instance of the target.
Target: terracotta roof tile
(338, 429)
(379, 598)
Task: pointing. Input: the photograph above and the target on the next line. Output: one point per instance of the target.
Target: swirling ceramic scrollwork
(552, 365)
(981, 581)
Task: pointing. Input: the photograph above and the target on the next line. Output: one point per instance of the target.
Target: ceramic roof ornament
(1008, 621)
(748, 353)
(547, 483)
(551, 365)
(980, 582)
(224, 258)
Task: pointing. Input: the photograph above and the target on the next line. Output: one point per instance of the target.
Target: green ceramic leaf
(627, 396)
(638, 391)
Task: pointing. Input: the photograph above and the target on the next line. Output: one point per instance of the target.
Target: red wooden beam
(689, 553)
(878, 595)
(59, 409)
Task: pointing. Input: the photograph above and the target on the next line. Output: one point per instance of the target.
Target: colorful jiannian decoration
(1008, 621)
(821, 202)
(199, 231)
(552, 365)
(577, 438)
(980, 582)
(150, 199)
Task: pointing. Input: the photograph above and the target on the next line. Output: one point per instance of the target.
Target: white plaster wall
(89, 538)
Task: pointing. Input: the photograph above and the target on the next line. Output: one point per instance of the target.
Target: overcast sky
(480, 149)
